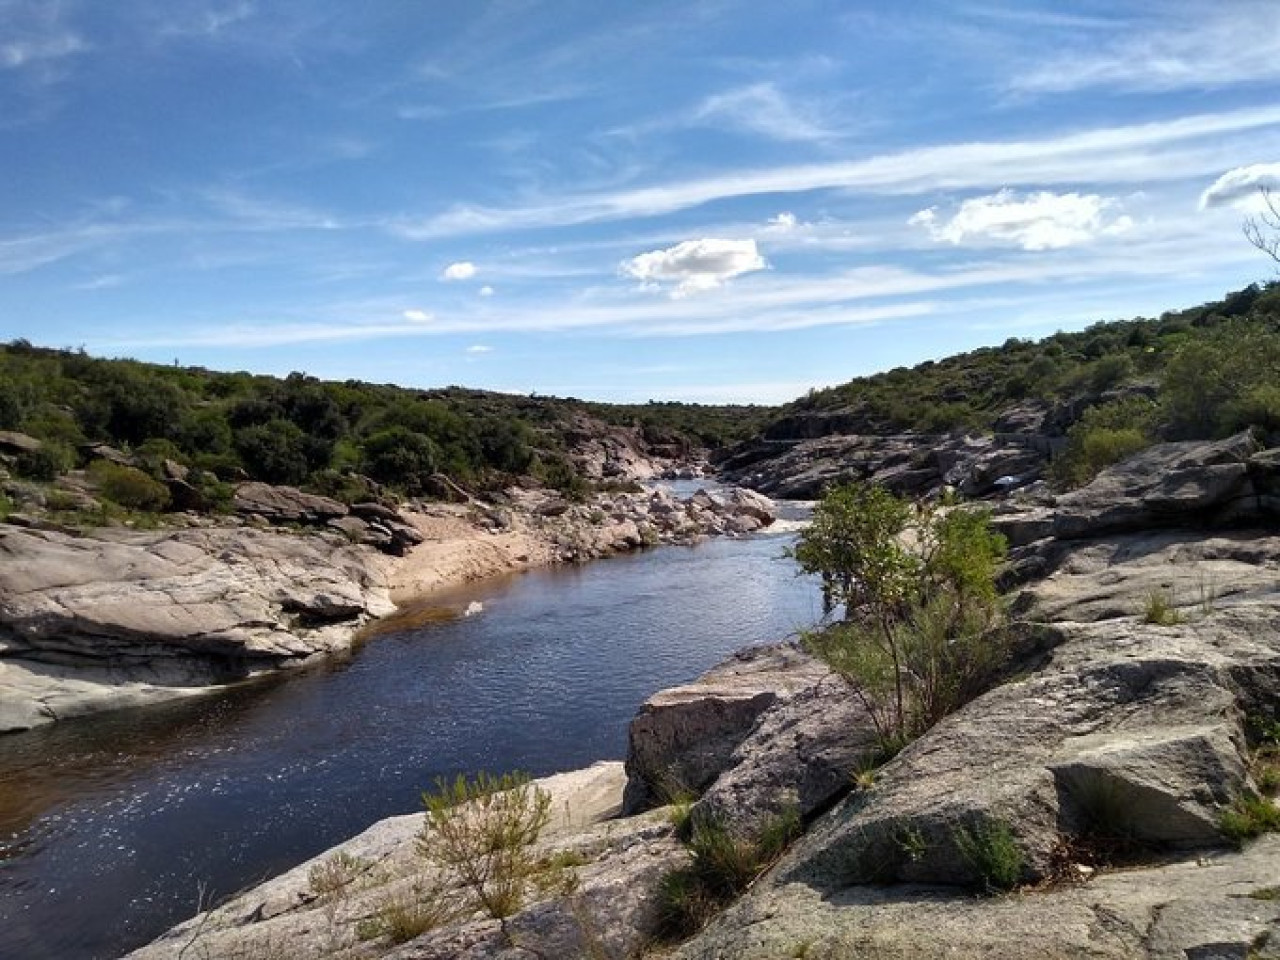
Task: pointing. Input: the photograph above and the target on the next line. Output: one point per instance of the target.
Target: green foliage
(1104, 435)
(484, 830)
(1249, 815)
(1160, 610)
(274, 451)
(294, 430)
(922, 632)
(405, 916)
(399, 456)
(992, 853)
(45, 464)
(724, 865)
(128, 487)
(1222, 379)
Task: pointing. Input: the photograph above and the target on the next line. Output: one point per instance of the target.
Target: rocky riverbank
(97, 618)
(1137, 714)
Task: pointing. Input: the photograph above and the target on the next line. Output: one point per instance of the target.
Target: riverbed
(113, 829)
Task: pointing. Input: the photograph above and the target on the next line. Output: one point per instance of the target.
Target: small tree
(921, 613)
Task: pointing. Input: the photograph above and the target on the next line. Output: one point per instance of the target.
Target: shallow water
(114, 828)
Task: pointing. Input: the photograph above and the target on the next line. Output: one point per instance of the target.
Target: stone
(12, 442)
(684, 737)
(113, 617)
(281, 504)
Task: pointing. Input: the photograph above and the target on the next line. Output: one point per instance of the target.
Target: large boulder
(1194, 483)
(604, 901)
(285, 504)
(683, 738)
(117, 617)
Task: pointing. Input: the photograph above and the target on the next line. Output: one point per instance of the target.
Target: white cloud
(1241, 186)
(1033, 221)
(462, 270)
(486, 291)
(479, 348)
(1147, 153)
(696, 265)
(417, 316)
(784, 222)
(761, 108)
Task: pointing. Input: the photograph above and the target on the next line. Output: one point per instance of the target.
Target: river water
(114, 828)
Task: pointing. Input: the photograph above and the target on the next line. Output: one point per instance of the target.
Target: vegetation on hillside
(1212, 370)
(321, 435)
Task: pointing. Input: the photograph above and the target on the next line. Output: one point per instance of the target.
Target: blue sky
(708, 201)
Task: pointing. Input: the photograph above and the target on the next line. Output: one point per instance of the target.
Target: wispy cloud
(762, 109)
(35, 40)
(1185, 47)
(1186, 147)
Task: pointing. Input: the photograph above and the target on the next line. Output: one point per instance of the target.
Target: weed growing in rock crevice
(991, 851)
(724, 865)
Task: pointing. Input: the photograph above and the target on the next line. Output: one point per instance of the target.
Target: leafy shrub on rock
(923, 629)
(1106, 434)
(484, 831)
(128, 487)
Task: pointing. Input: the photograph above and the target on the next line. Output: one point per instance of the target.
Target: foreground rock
(119, 617)
(1131, 729)
(601, 901)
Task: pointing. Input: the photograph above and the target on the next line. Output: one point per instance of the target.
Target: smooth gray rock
(684, 737)
(285, 504)
(89, 620)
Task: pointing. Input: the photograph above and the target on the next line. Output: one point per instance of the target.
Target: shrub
(1249, 816)
(46, 464)
(992, 852)
(1105, 435)
(923, 628)
(1160, 610)
(335, 874)
(128, 486)
(405, 916)
(274, 451)
(484, 830)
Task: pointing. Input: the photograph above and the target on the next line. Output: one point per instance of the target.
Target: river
(114, 828)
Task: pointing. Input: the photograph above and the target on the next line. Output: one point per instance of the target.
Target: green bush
(45, 464)
(128, 487)
(1105, 435)
(1249, 815)
(274, 451)
(724, 865)
(923, 627)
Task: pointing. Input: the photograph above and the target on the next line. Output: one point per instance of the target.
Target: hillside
(344, 440)
(1060, 409)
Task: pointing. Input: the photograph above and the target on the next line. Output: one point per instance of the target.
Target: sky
(705, 201)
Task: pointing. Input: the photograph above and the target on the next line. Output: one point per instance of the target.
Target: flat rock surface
(116, 616)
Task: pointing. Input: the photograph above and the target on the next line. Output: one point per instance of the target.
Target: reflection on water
(111, 827)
